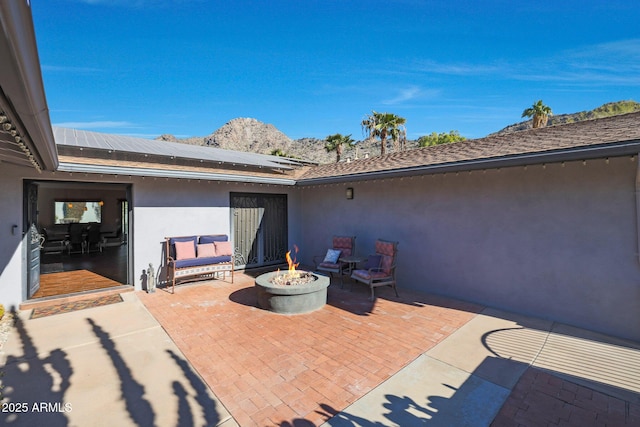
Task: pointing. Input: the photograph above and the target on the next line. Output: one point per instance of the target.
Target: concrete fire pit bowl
(291, 299)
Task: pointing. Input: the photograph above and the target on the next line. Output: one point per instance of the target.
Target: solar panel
(122, 143)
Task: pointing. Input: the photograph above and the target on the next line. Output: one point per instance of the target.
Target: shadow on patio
(301, 370)
(417, 359)
(352, 296)
(111, 365)
(505, 369)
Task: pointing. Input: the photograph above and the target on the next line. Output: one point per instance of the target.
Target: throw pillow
(373, 261)
(332, 256)
(185, 250)
(206, 250)
(223, 248)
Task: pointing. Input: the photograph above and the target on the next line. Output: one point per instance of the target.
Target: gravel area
(5, 328)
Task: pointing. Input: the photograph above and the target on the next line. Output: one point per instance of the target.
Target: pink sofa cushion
(185, 250)
(207, 250)
(223, 248)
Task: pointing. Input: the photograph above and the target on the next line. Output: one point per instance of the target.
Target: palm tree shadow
(185, 418)
(27, 381)
(133, 392)
(207, 404)
(298, 422)
(336, 418)
(399, 410)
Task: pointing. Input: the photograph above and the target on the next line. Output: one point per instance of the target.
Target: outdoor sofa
(191, 258)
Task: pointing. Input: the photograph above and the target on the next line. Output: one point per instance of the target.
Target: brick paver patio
(270, 369)
(275, 370)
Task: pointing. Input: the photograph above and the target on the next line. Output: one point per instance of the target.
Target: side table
(351, 261)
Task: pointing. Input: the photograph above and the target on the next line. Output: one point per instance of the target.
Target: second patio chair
(342, 246)
(380, 269)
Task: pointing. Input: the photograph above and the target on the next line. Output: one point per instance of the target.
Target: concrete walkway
(547, 373)
(194, 358)
(105, 366)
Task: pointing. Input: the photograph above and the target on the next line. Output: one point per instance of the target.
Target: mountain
(605, 110)
(247, 134)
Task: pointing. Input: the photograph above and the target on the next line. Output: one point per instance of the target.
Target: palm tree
(397, 131)
(335, 142)
(382, 125)
(539, 112)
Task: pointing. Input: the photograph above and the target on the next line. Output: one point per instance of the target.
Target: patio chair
(76, 238)
(380, 269)
(342, 246)
(94, 238)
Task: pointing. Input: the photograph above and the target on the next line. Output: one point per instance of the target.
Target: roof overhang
(173, 174)
(624, 148)
(107, 146)
(27, 138)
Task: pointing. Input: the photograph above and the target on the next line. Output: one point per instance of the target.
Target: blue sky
(317, 67)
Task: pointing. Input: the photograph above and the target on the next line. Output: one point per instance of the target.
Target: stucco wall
(557, 242)
(12, 258)
(182, 208)
(160, 208)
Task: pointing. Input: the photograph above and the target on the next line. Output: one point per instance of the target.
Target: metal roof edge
(251, 159)
(631, 147)
(159, 173)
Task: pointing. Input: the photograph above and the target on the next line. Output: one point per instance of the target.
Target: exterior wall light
(349, 193)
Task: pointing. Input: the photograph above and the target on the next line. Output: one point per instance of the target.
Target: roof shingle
(530, 143)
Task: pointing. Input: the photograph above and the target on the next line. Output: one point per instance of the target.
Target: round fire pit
(291, 299)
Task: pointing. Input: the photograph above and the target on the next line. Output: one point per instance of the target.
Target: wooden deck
(69, 282)
(69, 278)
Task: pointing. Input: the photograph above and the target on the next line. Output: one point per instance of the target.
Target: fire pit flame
(292, 276)
(292, 264)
